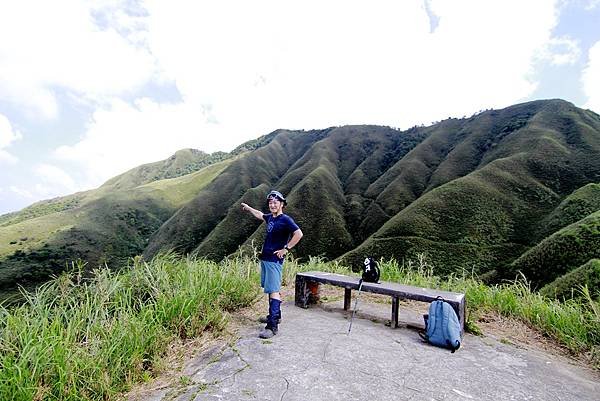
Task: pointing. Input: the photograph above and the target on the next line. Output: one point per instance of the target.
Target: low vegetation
(80, 338)
(91, 337)
(184, 161)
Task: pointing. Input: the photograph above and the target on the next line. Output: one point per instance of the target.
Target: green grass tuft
(81, 339)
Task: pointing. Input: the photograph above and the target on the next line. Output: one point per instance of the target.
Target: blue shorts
(270, 276)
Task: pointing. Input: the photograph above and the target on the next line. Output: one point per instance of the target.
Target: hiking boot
(268, 332)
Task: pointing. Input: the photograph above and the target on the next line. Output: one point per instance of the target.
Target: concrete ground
(314, 358)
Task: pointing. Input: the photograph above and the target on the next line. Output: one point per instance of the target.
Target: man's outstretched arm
(256, 213)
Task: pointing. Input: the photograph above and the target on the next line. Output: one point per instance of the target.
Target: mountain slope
(485, 218)
(581, 203)
(183, 162)
(476, 193)
(562, 251)
(470, 192)
(569, 285)
(106, 226)
(314, 168)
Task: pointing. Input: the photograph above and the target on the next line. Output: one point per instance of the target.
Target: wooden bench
(395, 290)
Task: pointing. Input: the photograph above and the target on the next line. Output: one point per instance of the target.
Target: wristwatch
(287, 248)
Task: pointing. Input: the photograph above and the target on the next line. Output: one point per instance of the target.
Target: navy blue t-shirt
(279, 231)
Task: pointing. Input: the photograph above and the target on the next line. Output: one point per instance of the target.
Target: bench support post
(394, 321)
(462, 311)
(347, 298)
(302, 292)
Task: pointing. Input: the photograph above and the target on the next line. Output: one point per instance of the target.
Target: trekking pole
(360, 283)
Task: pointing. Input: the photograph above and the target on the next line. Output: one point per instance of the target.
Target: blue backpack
(441, 325)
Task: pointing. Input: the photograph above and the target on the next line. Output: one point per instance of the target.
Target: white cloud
(7, 133)
(591, 78)
(592, 4)
(24, 193)
(561, 51)
(55, 177)
(123, 136)
(329, 63)
(58, 45)
(7, 136)
(52, 182)
(246, 68)
(7, 158)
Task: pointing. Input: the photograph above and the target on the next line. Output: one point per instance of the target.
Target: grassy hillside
(461, 222)
(318, 169)
(581, 203)
(92, 338)
(476, 193)
(570, 285)
(471, 193)
(103, 231)
(521, 176)
(42, 208)
(184, 161)
(110, 226)
(562, 251)
(263, 168)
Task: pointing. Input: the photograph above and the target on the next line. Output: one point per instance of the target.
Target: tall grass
(90, 337)
(80, 338)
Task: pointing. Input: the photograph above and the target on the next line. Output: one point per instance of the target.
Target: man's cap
(278, 195)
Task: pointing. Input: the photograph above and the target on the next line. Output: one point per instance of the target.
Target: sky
(89, 90)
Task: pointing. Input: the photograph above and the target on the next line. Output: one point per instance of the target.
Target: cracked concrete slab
(313, 358)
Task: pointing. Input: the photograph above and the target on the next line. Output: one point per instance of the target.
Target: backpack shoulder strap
(446, 329)
(431, 322)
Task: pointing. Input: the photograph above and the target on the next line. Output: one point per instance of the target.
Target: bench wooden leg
(394, 322)
(462, 312)
(347, 298)
(302, 292)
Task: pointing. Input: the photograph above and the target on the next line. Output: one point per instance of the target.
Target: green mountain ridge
(581, 203)
(105, 226)
(562, 251)
(570, 284)
(476, 193)
(184, 161)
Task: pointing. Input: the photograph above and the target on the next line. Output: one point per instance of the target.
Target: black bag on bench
(371, 271)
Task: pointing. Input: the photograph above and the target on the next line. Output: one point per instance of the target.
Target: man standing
(282, 235)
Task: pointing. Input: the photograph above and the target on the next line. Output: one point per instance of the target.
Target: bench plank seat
(396, 290)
